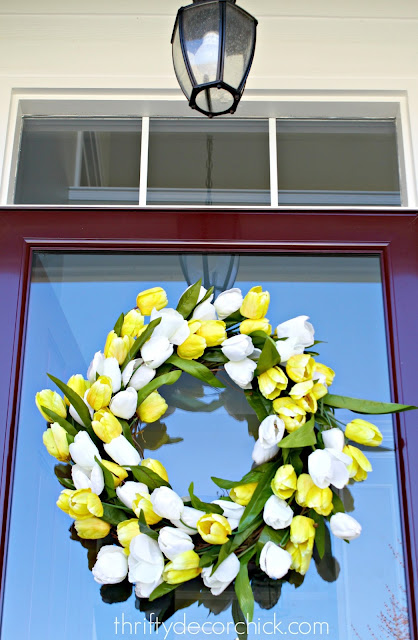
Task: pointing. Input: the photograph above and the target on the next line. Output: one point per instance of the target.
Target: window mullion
(143, 170)
(274, 188)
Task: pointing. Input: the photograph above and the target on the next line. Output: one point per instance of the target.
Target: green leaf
(239, 621)
(65, 482)
(235, 542)
(319, 532)
(295, 460)
(338, 504)
(196, 369)
(215, 355)
(162, 590)
(207, 295)
(271, 535)
(259, 403)
(112, 515)
(126, 430)
(365, 406)
(251, 476)
(119, 323)
(189, 299)
(261, 494)
(139, 342)
(208, 558)
(109, 479)
(148, 477)
(243, 587)
(144, 528)
(73, 397)
(207, 507)
(302, 437)
(61, 421)
(259, 338)
(233, 319)
(167, 378)
(269, 357)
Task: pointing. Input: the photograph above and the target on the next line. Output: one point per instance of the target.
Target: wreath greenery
(274, 517)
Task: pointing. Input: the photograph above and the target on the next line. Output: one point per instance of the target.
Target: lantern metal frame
(219, 82)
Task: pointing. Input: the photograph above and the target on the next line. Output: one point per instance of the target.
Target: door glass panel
(193, 161)
(79, 161)
(337, 162)
(74, 301)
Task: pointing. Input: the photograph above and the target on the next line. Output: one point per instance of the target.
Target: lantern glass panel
(201, 36)
(215, 100)
(239, 44)
(180, 65)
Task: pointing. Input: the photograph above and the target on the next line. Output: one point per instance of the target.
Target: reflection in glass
(50, 592)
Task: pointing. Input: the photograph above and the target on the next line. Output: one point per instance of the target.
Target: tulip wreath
(274, 518)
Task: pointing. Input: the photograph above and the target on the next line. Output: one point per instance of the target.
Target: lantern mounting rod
(200, 1)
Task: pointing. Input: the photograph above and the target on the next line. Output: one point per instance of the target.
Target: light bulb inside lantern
(205, 60)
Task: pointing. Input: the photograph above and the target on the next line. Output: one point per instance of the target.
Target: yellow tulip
(213, 331)
(194, 325)
(56, 442)
(255, 303)
(300, 368)
(127, 530)
(152, 408)
(284, 482)
(156, 466)
(193, 347)
(360, 465)
(92, 528)
(302, 394)
(291, 413)
(117, 347)
(272, 382)
(50, 400)
(302, 530)
(214, 528)
(133, 324)
(184, 567)
(79, 385)
(248, 326)
(363, 432)
(243, 493)
(119, 473)
(100, 393)
(63, 501)
(319, 390)
(326, 371)
(144, 504)
(155, 298)
(301, 556)
(311, 496)
(106, 426)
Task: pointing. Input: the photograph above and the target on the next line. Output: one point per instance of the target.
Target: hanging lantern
(213, 49)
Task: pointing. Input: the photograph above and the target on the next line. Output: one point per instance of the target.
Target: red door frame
(393, 235)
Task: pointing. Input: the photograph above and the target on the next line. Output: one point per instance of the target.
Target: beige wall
(324, 47)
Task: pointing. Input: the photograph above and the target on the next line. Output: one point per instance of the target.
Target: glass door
(358, 591)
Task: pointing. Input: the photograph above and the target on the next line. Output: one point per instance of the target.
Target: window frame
(391, 234)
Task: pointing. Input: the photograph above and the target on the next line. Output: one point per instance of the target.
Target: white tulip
(172, 326)
(241, 372)
(111, 565)
(334, 439)
(83, 450)
(328, 466)
(188, 520)
(172, 542)
(228, 302)
(88, 478)
(277, 513)
(260, 454)
(298, 328)
(271, 431)
(255, 354)
(274, 560)
(146, 561)
(204, 311)
(345, 527)
(202, 293)
(227, 571)
(122, 452)
(111, 370)
(231, 511)
(136, 374)
(156, 351)
(288, 348)
(144, 589)
(123, 404)
(238, 347)
(74, 414)
(166, 503)
(128, 492)
(96, 366)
